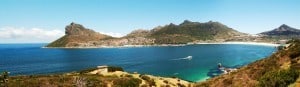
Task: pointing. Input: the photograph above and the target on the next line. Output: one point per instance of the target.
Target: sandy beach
(163, 45)
(246, 43)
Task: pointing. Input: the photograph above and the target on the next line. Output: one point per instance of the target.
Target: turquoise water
(28, 59)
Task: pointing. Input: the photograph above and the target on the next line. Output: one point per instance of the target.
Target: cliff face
(77, 35)
(77, 29)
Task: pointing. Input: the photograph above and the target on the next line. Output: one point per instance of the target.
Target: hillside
(102, 76)
(193, 31)
(279, 70)
(282, 32)
(79, 36)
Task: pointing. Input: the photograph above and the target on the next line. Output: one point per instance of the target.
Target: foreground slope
(279, 70)
(98, 77)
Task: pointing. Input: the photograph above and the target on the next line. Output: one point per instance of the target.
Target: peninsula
(77, 36)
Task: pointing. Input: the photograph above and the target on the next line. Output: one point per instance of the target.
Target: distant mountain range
(79, 36)
(187, 32)
(193, 31)
(283, 30)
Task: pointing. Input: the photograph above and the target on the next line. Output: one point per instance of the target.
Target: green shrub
(87, 70)
(127, 82)
(4, 79)
(130, 76)
(114, 68)
(146, 78)
(150, 81)
(278, 78)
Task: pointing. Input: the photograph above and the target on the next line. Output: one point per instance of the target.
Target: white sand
(247, 43)
(130, 46)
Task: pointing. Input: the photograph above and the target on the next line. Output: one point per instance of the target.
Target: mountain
(281, 69)
(193, 31)
(78, 36)
(283, 30)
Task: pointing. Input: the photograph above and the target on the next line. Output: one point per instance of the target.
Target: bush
(278, 78)
(114, 68)
(3, 79)
(144, 77)
(87, 70)
(127, 82)
(129, 76)
(150, 81)
(280, 47)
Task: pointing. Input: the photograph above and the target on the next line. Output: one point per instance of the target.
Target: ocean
(192, 62)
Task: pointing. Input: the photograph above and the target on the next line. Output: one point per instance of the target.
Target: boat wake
(185, 58)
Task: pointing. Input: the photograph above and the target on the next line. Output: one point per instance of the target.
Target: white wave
(185, 58)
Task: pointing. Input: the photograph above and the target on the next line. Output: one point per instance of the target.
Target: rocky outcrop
(139, 33)
(78, 36)
(77, 29)
(75, 35)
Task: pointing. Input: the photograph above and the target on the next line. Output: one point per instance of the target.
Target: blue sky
(119, 17)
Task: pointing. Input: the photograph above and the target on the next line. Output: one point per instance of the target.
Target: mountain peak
(77, 29)
(284, 26)
(283, 30)
(75, 35)
(187, 21)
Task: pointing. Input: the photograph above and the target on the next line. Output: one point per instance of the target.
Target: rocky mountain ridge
(79, 36)
(283, 30)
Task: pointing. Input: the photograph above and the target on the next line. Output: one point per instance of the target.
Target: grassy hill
(191, 31)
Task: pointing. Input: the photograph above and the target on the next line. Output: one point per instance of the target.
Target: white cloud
(23, 35)
(35, 35)
(112, 34)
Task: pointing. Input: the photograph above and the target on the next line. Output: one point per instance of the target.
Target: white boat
(189, 57)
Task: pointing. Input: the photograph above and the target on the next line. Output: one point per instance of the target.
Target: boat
(189, 57)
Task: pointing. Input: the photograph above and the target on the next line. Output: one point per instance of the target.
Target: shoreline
(245, 43)
(171, 45)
